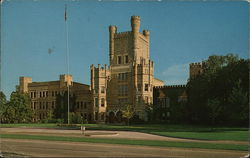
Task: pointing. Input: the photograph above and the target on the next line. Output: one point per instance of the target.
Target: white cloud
(176, 74)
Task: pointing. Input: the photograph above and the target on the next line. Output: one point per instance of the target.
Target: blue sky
(181, 32)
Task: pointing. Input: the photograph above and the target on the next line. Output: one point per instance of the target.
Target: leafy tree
(18, 109)
(75, 118)
(61, 110)
(3, 102)
(215, 110)
(219, 94)
(238, 100)
(128, 112)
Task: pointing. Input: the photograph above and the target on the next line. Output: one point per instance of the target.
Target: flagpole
(67, 49)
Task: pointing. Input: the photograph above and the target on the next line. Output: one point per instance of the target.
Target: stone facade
(43, 95)
(129, 78)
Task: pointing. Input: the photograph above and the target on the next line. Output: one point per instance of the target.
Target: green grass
(217, 135)
(179, 131)
(131, 142)
(32, 125)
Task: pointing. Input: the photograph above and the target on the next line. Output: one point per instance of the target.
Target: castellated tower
(195, 69)
(130, 76)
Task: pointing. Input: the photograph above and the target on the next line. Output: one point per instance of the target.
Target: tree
(215, 96)
(128, 112)
(215, 109)
(61, 110)
(238, 100)
(18, 109)
(3, 102)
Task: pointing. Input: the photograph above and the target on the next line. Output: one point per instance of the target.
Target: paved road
(39, 148)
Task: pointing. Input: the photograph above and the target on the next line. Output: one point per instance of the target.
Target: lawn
(131, 142)
(179, 131)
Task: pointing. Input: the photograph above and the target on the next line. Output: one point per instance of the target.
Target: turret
(112, 32)
(135, 23)
(146, 33)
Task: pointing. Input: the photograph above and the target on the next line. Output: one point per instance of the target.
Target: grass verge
(177, 131)
(131, 142)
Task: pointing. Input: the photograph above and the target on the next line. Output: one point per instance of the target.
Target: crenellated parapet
(122, 34)
(170, 86)
(197, 64)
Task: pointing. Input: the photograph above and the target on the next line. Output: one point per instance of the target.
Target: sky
(33, 38)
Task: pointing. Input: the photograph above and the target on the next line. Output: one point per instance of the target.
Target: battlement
(198, 64)
(122, 34)
(99, 67)
(135, 17)
(170, 86)
(146, 33)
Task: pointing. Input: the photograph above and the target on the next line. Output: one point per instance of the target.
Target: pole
(67, 52)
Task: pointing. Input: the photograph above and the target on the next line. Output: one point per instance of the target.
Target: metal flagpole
(67, 49)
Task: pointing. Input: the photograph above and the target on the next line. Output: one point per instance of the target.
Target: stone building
(129, 78)
(43, 95)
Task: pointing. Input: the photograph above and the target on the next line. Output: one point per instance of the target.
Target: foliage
(18, 109)
(128, 112)
(220, 94)
(61, 110)
(75, 118)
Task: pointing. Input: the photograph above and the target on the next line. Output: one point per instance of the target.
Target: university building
(44, 95)
(127, 80)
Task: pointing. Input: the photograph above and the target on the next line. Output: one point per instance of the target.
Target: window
(126, 59)
(119, 60)
(43, 94)
(52, 104)
(123, 76)
(34, 94)
(52, 94)
(81, 104)
(146, 87)
(123, 90)
(77, 104)
(85, 105)
(102, 102)
(96, 102)
(85, 115)
(47, 93)
(102, 116)
(102, 89)
(139, 87)
(40, 94)
(96, 115)
(146, 99)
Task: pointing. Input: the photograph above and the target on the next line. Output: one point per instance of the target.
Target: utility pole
(67, 50)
